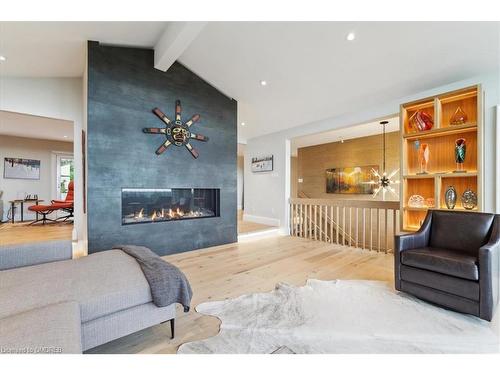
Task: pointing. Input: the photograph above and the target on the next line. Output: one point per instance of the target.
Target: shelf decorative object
(421, 121)
(416, 201)
(459, 117)
(450, 197)
(423, 157)
(460, 149)
(455, 140)
(469, 199)
(430, 202)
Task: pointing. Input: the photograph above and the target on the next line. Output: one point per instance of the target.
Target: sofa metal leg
(172, 326)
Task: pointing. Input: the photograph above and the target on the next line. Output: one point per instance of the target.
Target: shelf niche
(442, 153)
(465, 100)
(441, 141)
(460, 183)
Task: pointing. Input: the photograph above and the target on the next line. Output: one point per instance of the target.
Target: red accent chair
(66, 205)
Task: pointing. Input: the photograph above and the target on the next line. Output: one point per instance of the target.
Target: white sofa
(104, 294)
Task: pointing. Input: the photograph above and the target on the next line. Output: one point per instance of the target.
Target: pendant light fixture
(384, 182)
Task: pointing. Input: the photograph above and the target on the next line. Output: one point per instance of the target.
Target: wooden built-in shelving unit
(441, 142)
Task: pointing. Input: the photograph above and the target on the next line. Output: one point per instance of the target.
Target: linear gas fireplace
(153, 205)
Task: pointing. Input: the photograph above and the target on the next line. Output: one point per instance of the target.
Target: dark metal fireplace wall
(156, 205)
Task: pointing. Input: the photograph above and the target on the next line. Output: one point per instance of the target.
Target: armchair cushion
(447, 262)
(449, 284)
(465, 233)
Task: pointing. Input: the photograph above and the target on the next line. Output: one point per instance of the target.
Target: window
(65, 174)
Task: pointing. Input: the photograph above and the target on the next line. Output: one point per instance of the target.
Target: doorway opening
(36, 189)
(248, 225)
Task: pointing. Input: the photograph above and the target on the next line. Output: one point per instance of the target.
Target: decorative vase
(423, 157)
(460, 149)
(469, 199)
(450, 197)
(421, 121)
(459, 117)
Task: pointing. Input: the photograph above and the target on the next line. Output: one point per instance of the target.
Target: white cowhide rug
(340, 317)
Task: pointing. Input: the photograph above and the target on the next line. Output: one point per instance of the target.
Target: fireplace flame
(162, 214)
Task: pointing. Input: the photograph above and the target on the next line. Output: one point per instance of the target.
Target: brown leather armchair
(452, 261)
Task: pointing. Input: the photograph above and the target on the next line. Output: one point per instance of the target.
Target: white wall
(37, 149)
(60, 98)
(266, 195)
(240, 181)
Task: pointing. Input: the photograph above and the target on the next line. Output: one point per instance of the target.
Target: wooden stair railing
(329, 222)
(361, 224)
(311, 226)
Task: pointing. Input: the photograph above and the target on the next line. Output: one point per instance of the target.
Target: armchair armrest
(489, 272)
(409, 241)
(30, 254)
(414, 240)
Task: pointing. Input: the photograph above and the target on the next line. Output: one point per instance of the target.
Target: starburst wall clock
(176, 132)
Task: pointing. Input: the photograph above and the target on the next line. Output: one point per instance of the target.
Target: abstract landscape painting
(27, 169)
(350, 180)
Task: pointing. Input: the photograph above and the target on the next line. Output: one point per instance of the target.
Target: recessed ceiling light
(2, 58)
(263, 83)
(242, 124)
(65, 136)
(350, 37)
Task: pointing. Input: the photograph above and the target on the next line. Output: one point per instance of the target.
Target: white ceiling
(57, 49)
(28, 126)
(312, 71)
(356, 131)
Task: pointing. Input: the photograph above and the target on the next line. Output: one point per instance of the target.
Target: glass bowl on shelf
(459, 117)
(416, 201)
(430, 202)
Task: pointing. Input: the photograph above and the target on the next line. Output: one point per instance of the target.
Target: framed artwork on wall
(263, 164)
(26, 169)
(350, 180)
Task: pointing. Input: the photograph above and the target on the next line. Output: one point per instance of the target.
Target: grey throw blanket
(168, 284)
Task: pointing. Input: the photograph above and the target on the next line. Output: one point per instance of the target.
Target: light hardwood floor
(17, 233)
(248, 226)
(254, 265)
(251, 266)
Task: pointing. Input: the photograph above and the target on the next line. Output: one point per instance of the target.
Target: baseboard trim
(259, 234)
(261, 220)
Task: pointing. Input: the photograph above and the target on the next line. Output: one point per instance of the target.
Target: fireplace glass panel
(153, 205)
